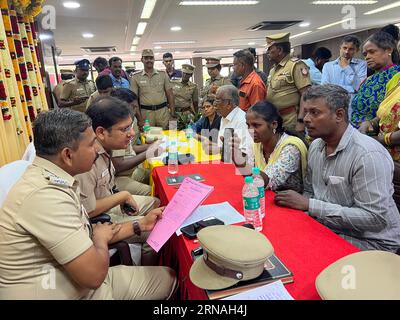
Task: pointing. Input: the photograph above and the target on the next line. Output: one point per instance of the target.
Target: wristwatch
(300, 120)
(136, 228)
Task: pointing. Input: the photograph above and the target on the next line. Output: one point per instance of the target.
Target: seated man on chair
(128, 163)
(349, 176)
(112, 124)
(49, 250)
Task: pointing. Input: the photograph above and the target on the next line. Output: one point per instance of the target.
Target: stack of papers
(272, 291)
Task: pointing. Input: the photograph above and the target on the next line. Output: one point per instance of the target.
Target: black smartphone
(128, 208)
(190, 231)
(211, 221)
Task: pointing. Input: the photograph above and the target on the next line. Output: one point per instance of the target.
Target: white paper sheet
(222, 211)
(272, 291)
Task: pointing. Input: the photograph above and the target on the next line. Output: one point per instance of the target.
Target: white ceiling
(214, 28)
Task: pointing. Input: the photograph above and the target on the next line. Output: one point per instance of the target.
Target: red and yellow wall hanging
(22, 93)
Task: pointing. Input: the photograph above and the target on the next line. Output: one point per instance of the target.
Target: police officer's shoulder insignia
(55, 181)
(304, 71)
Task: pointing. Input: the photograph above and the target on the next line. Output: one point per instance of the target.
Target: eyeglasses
(124, 130)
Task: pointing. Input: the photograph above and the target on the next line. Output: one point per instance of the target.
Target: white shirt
(236, 119)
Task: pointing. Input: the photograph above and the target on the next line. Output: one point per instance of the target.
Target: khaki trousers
(158, 118)
(136, 183)
(136, 283)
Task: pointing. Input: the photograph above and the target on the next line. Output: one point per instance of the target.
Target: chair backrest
(30, 153)
(9, 175)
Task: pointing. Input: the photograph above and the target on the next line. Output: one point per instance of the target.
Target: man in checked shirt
(348, 187)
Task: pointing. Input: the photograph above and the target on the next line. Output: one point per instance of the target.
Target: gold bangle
(386, 138)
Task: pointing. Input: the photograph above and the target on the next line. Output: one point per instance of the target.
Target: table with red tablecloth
(304, 245)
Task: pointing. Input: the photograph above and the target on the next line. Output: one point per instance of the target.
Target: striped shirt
(351, 191)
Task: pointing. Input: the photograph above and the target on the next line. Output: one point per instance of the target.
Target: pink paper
(188, 197)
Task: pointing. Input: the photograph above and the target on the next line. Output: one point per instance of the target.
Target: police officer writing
(76, 92)
(288, 79)
(154, 91)
(49, 249)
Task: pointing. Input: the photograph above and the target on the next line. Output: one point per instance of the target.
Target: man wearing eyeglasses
(227, 105)
(112, 124)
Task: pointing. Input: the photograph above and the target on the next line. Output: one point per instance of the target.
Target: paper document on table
(186, 200)
(272, 291)
(222, 211)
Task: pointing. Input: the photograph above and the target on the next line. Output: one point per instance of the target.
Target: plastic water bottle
(259, 183)
(189, 131)
(251, 204)
(146, 127)
(173, 158)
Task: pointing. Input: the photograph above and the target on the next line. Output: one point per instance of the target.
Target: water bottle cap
(248, 180)
(256, 170)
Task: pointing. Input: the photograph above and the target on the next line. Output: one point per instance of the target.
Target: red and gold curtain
(22, 94)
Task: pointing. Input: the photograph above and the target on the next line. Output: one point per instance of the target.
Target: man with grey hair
(349, 180)
(49, 249)
(226, 104)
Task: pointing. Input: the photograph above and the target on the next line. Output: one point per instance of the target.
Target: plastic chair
(9, 175)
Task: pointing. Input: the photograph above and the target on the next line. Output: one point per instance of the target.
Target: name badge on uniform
(56, 181)
(104, 173)
(242, 94)
(143, 81)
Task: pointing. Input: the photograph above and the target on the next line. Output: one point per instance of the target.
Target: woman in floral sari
(386, 129)
(382, 56)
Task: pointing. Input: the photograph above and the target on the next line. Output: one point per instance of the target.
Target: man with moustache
(116, 74)
(348, 187)
(49, 249)
(288, 79)
(154, 91)
(76, 92)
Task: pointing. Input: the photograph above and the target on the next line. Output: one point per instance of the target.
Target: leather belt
(287, 110)
(154, 108)
(225, 272)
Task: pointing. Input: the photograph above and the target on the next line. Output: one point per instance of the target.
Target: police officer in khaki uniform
(112, 123)
(216, 80)
(65, 76)
(48, 248)
(76, 92)
(186, 93)
(154, 91)
(287, 81)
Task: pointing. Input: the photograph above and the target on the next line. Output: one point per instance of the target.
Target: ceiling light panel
(334, 24)
(141, 28)
(219, 3)
(384, 8)
(345, 2)
(148, 9)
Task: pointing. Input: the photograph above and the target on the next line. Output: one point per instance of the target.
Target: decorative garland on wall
(22, 94)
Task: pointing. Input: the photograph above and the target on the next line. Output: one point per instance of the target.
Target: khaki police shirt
(75, 88)
(151, 89)
(42, 228)
(98, 182)
(58, 90)
(285, 80)
(92, 97)
(209, 87)
(185, 94)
